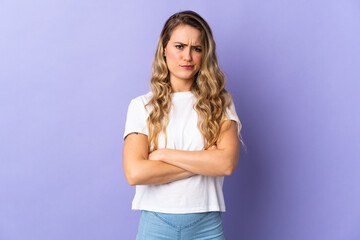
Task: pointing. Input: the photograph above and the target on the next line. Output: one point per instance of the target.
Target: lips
(187, 66)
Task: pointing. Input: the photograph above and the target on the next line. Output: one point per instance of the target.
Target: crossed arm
(168, 165)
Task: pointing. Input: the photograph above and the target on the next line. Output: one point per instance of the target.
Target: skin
(183, 48)
(167, 165)
(220, 160)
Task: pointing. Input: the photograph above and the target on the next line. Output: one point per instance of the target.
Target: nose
(187, 55)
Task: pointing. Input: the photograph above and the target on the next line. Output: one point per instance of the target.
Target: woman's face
(183, 55)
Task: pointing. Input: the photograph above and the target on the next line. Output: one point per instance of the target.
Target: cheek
(172, 55)
(198, 59)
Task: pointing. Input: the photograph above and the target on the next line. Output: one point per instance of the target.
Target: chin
(187, 76)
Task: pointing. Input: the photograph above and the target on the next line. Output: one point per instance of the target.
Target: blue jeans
(185, 226)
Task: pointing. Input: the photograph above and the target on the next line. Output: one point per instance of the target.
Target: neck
(181, 85)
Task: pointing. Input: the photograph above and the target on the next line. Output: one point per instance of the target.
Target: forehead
(186, 34)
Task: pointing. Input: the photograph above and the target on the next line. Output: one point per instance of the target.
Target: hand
(160, 154)
(213, 147)
(157, 155)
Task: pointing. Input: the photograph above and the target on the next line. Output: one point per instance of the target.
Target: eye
(198, 49)
(178, 46)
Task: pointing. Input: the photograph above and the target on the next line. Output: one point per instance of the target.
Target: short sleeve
(232, 115)
(136, 118)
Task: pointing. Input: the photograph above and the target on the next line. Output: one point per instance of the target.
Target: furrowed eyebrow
(186, 44)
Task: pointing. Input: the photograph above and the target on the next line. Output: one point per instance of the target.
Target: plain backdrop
(68, 70)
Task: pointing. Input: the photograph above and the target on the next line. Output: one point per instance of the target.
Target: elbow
(131, 178)
(134, 173)
(230, 169)
(131, 182)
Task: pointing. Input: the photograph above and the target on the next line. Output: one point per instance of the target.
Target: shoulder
(230, 99)
(141, 101)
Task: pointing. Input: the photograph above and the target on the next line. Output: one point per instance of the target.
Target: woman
(182, 137)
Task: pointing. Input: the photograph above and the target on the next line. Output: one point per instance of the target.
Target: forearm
(210, 163)
(157, 172)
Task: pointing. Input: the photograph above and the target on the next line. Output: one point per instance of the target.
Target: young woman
(182, 137)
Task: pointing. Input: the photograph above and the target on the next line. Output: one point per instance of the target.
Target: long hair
(208, 86)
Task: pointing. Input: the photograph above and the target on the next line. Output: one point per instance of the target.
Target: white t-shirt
(198, 193)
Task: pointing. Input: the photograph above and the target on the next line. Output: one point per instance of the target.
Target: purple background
(68, 70)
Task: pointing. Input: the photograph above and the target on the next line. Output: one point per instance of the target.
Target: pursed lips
(187, 66)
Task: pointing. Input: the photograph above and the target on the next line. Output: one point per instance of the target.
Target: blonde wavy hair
(208, 86)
